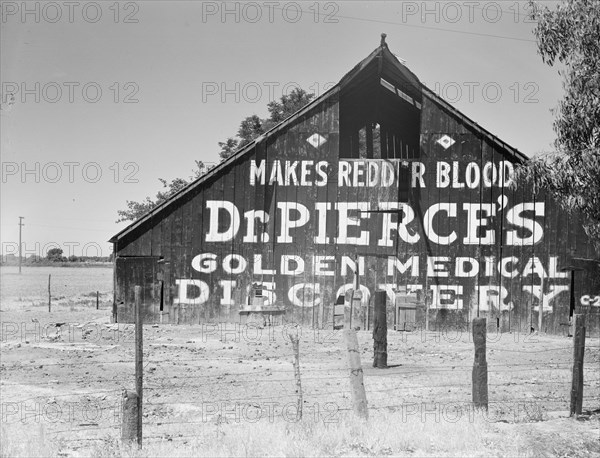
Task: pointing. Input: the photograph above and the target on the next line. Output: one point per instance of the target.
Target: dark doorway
(138, 271)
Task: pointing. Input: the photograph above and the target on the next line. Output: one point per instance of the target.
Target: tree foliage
(569, 37)
(55, 254)
(250, 129)
(135, 209)
(253, 126)
(228, 147)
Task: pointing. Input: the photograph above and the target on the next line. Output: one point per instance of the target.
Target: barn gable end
(377, 175)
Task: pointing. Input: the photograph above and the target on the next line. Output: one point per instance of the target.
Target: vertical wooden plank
(139, 361)
(488, 294)
(176, 257)
(257, 200)
(544, 249)
(230, 189)
(170, 290)
(186, 237)
(156, 247)
(200, 218)
(191, 312)
(193, 237)
(247, 199)
(216, 193)
(465, 252)
(145, 243)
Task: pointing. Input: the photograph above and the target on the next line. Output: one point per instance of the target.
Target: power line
(439, 29)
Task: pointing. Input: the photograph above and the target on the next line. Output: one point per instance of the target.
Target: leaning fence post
(578, 352)
(129, 406)
(480, 387)
(357, 386)
(139, 361)
(380, 330)
(296, 346)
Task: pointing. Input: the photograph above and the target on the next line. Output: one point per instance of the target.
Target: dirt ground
(63, 373)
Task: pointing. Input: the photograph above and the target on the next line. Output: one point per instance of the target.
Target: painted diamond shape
(316, 140)
(446, 142)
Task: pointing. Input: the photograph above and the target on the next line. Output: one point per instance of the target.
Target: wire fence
(183, 393)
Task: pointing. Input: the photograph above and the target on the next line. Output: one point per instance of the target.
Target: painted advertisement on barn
(457, 234)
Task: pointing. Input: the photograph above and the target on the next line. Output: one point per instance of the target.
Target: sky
(101, 99)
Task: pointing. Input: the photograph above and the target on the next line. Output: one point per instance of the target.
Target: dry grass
(385, 434)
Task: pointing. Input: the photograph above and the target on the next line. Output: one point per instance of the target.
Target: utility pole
(21, 218)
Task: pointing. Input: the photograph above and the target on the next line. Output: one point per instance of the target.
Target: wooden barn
(377, 182)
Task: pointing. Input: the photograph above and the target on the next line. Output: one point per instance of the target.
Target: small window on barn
(379, 119)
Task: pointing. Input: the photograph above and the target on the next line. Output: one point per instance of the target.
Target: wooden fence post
(480, 387)
(578, 352)
(540, 315)
(380, 330)
(357, 297)
(296, 346)
(139, 361)
(129, 417)
(49, 297)
(357, 386)
(348, 309)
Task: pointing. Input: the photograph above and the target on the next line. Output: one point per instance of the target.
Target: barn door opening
(138, 271)
(162, 295)
(380, 116)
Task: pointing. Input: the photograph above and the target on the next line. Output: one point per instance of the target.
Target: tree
(250, 129)
(228, 147)
(136, 210)
(253, 127)
(55, 255)
(570, 36)
(288, 105)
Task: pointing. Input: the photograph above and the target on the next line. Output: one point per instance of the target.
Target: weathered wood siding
(207, 278)
(468, 245)
(532, 250)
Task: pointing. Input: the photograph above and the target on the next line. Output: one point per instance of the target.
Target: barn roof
(379, 55)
